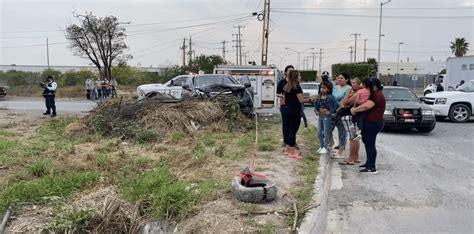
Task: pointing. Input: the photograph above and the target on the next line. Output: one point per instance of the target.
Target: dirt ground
(225, 214)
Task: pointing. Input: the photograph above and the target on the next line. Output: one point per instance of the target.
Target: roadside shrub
(70, 221)
(40, 168)
(158, 192)
(46, 186)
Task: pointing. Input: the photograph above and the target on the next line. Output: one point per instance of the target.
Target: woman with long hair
(373, 122)
(281, 98)
(348, 101)
(339, 92)
(293, 95)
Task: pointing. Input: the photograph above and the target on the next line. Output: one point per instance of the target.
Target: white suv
(457, 105)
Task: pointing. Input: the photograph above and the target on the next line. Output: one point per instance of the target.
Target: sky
(156, 29)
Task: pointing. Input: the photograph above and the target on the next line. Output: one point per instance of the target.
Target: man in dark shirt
(439, 87)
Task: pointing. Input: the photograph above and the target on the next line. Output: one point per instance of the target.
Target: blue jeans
(341, 131)
(324, 130)
(369, 136)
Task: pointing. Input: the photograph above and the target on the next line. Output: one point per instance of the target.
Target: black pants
(284, 123)
(50, 104)
(292, 121)
(369, 136)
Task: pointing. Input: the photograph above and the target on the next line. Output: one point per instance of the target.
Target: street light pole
(380, 36)
(398, 58)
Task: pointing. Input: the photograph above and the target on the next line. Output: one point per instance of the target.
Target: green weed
(158, 192)
(102, 159)
(70, 221)
(40, 168)
(46, 186)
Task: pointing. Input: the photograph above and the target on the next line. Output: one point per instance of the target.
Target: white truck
(457, 69)
(456, 105)
(264, 80)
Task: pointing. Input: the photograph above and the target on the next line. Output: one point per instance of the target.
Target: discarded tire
(257, 190)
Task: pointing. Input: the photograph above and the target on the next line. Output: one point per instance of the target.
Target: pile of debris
(154, 117)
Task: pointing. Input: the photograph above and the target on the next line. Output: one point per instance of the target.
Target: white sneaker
(323, 151)
(319, 150)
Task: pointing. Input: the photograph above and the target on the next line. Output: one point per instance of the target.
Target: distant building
(413, 75)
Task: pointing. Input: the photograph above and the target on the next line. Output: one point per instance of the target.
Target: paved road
(62, 105)
(425, 184)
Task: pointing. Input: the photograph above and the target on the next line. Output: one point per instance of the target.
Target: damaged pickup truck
(207, 85)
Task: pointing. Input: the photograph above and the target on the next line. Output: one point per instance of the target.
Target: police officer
(49, 94)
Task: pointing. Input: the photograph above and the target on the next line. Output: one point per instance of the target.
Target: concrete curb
(315, 219)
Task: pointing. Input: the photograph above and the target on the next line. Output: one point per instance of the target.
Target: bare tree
(101, 40)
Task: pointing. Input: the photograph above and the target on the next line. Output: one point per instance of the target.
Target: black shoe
(363, 165)
(46, 113)
(337, 147)
(368, 171)
(53, 115)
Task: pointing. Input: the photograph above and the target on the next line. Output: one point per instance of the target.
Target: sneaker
(369, 171)
(323, 151)
(363, 165)
(46, 113)
(53, 115)
(319, 150)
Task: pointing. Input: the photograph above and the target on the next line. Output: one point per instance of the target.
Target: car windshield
(309, 86)
(207, 80)
(466, 87)
(399, 95)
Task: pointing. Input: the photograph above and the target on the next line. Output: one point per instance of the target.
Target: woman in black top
(292, 118)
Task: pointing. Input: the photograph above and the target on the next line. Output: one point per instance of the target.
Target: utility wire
(35, 45)
(375, 16)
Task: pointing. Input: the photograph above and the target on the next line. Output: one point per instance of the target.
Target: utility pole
(238, 45)
(350, 58)
(266, 21)
(47, 51)
(365, 48)
(246, 54)
(190, 52)
(320, 59)
(313, 53)
(223, 50)
(355, 45)
(184, 51)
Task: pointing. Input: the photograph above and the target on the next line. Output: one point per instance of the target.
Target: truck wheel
(459, 113)
(258, 190)
(426, 129)
(427, 92)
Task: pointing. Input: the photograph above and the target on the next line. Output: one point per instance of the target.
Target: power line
(186, 27)
(35, 45)
(376, 16)
(188, 20)
(207, 30)
(371, 8)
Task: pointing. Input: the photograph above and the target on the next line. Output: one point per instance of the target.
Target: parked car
(310, 89)
(3, 91)
(457, 105)
(405, 110)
